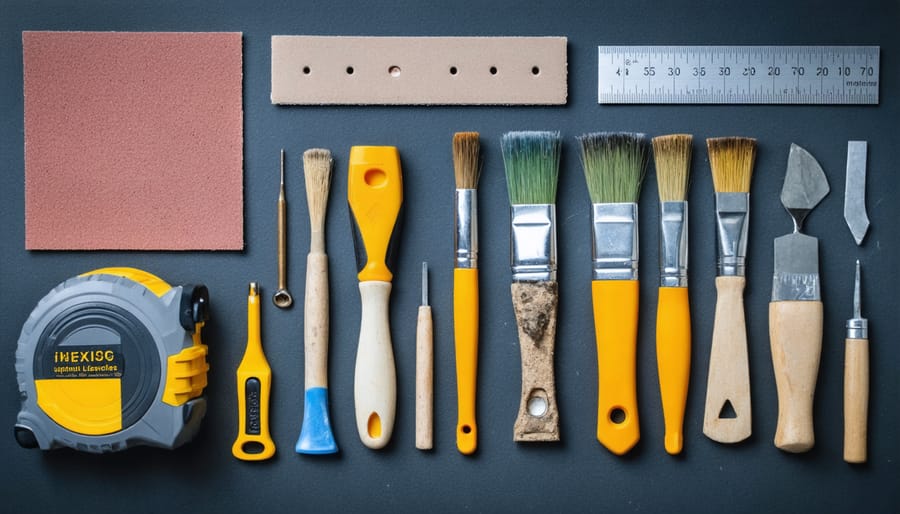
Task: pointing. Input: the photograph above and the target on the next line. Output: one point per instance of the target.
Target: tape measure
(738, 75)
(113, 359)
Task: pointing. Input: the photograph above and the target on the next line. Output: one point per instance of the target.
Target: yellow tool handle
(856, 399)
(465, 331)
(615, 325)
(673, 360)
(795, 333)
(729, 370)
(254, 381)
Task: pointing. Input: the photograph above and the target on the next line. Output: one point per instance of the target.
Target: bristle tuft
(614, 165)
(672, 155)
(317, 165)
(466, 159)
(531, 160)
(731, 160)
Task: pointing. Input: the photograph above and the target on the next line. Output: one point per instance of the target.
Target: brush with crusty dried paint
(466, 168)
(531, 161)
(672, 155)
(614, 166)
(315, 435)
(731, 160)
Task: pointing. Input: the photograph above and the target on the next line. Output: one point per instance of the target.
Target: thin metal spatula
(795, 312)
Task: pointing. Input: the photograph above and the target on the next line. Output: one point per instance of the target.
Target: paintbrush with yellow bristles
(727, 415)
(466, 168)
(672, 155)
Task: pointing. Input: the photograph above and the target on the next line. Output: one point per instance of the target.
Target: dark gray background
(576, 474)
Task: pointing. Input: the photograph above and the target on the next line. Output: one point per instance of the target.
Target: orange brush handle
(673, 360)
(465, 330)
(615, 324)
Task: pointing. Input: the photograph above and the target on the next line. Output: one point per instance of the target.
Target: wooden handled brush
(672, 155)
(731, 160)
(614, 166)
(531, 160)
(315, 434)
(466, 168)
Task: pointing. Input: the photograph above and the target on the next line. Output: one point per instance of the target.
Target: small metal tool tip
(282, 166)
(424, 283)
(254, 288)
(857, 297)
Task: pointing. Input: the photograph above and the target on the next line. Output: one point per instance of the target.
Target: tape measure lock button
(98, 353)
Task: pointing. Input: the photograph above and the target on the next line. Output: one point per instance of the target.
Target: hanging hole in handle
(493, 70)
(453, 70)
(253, 447)
(466, 429)
(537, 403)
(394, 71)
(727, 411)
(617, 415)
(375, 177)
(535, 70)
(373, 427)
(349, 70)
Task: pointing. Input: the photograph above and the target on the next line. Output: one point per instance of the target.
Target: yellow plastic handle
(673, 360)
(254, 381)
(375, 193)
(465, 330)
(615, 324)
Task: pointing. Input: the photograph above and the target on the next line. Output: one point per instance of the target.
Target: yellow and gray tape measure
(113, 359)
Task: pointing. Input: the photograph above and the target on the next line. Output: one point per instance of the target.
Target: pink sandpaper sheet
(133, 141)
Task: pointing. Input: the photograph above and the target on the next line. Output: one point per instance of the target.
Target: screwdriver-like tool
(375, 195)
(282, 298)
(254, 381)
(856, 381)
(424, 370)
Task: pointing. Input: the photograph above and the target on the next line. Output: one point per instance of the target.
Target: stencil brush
(731, 160)
(315, 435)
(672, 155)
(531, 160)
(614, 166)
(466, 168)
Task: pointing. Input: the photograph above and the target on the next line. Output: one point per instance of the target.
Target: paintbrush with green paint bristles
(531, 160)
(614, 165)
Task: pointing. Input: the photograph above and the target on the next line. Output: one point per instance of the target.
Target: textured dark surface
(576, 474)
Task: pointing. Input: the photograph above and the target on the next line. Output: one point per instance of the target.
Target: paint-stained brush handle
(795, 333)
(535, 305)
(673, 360)
(729, 369)
(465, 330)
(254, 381)
(615, 325)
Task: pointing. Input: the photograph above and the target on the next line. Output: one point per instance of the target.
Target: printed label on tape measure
(738, 74)
(87, 362)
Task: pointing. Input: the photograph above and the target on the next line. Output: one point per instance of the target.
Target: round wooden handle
(856, 399)
(315, 321)
(424, 379)
(729, 369)
(375, 379)
(795, 333)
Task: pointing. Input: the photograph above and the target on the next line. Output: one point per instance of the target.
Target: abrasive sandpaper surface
(133, 141)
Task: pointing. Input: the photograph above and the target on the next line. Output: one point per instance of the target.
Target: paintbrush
(466, 168)
(672, 155)
(315, 435)
(531, 160)
(614, 166)
(731, 160)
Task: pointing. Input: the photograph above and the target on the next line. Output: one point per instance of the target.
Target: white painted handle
(375, 382)
(315, 321)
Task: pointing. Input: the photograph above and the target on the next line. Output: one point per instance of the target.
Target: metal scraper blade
(855, 191)
(796, 268)
(805, 185)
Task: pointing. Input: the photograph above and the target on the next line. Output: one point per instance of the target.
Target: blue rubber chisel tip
(316, 437)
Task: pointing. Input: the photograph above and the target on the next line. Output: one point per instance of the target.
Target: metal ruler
(738, 74)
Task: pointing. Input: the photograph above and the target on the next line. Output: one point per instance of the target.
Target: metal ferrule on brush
(732, 215)
(466, 234)
(614, 234)
(533, 242)
(673, 244)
